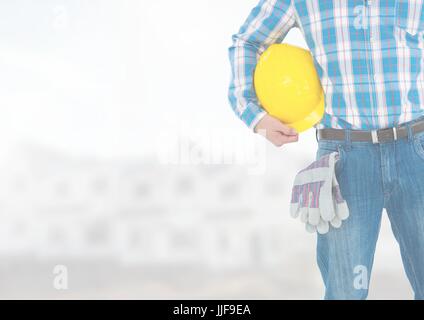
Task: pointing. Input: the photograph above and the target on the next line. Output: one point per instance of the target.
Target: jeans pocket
(409, 16)
(419, 145)
(325, 148)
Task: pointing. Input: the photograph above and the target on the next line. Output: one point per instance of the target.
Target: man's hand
(275, 131)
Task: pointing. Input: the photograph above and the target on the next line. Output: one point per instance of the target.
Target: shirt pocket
(409, 15)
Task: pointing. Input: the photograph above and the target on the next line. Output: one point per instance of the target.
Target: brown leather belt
(376, 136)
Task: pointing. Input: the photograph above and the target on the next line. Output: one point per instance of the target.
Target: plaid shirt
(368, 54)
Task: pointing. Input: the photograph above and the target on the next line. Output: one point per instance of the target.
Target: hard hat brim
(311, 119)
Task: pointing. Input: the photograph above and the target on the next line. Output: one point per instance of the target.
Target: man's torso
(369, 55)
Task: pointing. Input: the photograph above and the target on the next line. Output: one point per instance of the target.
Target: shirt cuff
(252, 115)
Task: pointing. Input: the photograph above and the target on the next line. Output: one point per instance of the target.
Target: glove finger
(326, 205)
(326, 193)
(342, 210)
(323, 227)
(314, 216)
(304, 215)
(310, 228)
(336, 222)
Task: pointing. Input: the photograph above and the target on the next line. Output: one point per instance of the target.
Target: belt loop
(348, 139)
(395, 133)
(410, 132)
(374, 135)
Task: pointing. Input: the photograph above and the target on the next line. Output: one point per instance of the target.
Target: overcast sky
(104, 77)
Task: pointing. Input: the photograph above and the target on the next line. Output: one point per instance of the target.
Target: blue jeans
(372, 177)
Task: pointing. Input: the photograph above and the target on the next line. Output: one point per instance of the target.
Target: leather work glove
(341, 210)
(316, 196)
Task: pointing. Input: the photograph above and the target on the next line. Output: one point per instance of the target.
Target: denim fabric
(372, 177)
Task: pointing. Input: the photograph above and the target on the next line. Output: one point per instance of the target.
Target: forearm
(242, 96)
(267, 23)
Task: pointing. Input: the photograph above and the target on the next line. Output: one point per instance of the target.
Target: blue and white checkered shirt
(368, 54)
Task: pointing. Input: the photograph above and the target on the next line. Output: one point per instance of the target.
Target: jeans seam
(408, 256)
(322, 266)
(321, 262)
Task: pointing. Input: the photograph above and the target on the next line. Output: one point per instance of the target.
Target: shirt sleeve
(268, 23)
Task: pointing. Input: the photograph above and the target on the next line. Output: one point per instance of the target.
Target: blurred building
(139, 212)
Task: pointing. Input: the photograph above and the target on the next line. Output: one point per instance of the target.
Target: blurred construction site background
(122, 163)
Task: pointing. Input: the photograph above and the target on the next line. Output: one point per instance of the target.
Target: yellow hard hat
(288, 86)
